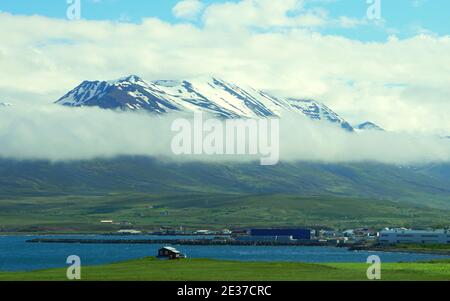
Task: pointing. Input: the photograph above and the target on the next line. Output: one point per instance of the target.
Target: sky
(405, 18)
(392, 69)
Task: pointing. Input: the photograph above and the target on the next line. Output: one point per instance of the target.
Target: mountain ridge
(212, 95)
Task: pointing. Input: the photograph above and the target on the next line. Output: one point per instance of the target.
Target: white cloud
(60, 133)
(187, 9)
(258, 13)
(269, 14)
(348, 22)
(400, 84)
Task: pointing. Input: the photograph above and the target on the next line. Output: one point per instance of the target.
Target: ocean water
(18, 255)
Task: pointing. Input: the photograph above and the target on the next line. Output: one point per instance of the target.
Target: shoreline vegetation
(152, 269)
(438, 249)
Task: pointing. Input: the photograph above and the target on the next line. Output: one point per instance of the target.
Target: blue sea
(18, 255)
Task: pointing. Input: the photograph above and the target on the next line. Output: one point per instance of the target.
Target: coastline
(401, 250)
(129, 239)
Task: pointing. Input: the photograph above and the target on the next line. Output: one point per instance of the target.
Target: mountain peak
(132, 79)
(369, 126)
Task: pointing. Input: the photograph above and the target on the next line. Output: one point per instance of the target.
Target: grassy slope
(146, 211)
(423, 185)
(74, 196)
(202, 269)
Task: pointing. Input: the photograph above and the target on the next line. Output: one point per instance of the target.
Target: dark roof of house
(171, 249)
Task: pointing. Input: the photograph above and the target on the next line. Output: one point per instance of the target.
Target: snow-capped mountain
(5, 104)
(212, 95)
(368, 126)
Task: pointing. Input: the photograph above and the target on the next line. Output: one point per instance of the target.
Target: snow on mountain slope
(5, 104)
(211, 95)
(318, 111)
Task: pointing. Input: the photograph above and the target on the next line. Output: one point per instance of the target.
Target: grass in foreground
(149, 269)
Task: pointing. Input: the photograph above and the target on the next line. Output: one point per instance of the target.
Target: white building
(125, 232)
(204, 232)
(282, 238)
(394, 236)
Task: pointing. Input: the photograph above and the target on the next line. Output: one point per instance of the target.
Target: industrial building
(393, 236)
(279, 234)
(274, 239)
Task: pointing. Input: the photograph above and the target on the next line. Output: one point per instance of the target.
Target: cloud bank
(58, 133)
(271, 45)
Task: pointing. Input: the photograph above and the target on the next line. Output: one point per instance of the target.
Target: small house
(170, 253)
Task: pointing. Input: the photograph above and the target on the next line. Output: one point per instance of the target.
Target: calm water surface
(17, 255)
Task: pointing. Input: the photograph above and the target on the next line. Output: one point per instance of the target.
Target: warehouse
(298, 234)
(394, 236)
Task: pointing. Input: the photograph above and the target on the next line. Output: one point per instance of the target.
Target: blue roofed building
(297, 234)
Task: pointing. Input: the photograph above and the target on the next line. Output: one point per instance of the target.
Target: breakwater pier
(206, 242)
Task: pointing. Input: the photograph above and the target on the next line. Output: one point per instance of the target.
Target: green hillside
(74, 196)
(422, 185)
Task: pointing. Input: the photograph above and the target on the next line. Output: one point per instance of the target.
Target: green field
(149, 269)
(82, 213)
